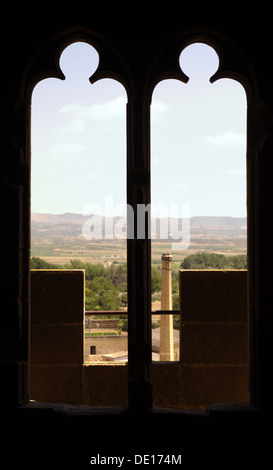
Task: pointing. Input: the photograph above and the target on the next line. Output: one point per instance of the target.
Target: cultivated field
(58, 239)
(114, 251)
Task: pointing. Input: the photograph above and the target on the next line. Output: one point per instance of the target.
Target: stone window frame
(233, 64)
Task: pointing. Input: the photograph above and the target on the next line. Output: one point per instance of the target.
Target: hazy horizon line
(121, 215)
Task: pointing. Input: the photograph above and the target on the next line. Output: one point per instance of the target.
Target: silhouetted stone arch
(160, 63)
(233, 63)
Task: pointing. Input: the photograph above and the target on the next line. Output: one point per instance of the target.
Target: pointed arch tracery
(45, 62)
(234, 64)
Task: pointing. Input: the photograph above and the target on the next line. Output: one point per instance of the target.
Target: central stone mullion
(139, 255)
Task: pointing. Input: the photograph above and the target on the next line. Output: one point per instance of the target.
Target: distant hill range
(70, 225)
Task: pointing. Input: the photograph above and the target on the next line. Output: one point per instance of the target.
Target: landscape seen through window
(198, 186)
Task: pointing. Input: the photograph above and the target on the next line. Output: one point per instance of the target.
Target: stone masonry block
(100, 384)
(57, 317)
(214, 343)
(213, 295)
(56, 344)
(203, 385)
(167, 384)
(57, 296)
(56, 384)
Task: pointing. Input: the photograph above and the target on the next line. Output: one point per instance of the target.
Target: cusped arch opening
(199, 61)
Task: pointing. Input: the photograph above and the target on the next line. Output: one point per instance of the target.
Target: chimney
(166, 321)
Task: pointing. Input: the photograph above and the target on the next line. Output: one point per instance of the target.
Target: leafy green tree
(109, 300)
(175, 299)
(119, 277)
(38, 263)
(238, 262)
(124, 300)
(91, 270)
(214, 261)
(91, 300)
(75, 264)
(155, 279)
(175, 281)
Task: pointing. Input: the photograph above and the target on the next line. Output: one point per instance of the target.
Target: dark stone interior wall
(139, 41)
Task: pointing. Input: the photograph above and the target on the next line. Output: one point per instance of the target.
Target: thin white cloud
(77, 125)
(94, 176)
(114, 109)
(109, 110)
(228, 139)
(71, 108)
(158, 109)
(68, 148)
(236, 171)
(156, 161)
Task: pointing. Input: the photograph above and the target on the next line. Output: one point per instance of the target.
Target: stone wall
(56, 335)
(214, 338)
(106, 344)
(214, 347)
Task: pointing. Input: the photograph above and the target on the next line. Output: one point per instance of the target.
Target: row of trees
(214, 261)
(106, 287)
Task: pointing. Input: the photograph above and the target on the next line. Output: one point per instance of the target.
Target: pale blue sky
(198, 143)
